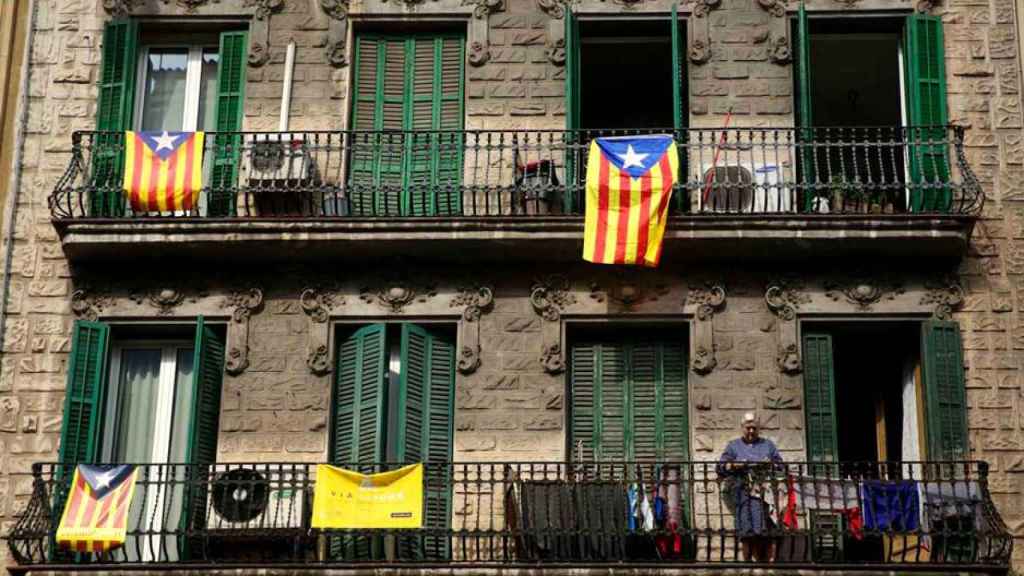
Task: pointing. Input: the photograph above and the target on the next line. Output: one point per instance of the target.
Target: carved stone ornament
(703, 361)
(469, 359)
(243, 303)
(88, 305)
(317, 303)
(862, 291)
(709, 298)
(947, 295)
(779, 51)
(702, 8)
(165, 300)
(120, 8)
(479, 54)
(264, 8)
(190, 6)
(784, 298)
(476, 300)
(397, 291)
(550, 296)
(788, 359)
(551, 359)
(484, 8)
(335, 48)
(259, 54)
(336, 9)
(318, 360)
(335, 54)
(848, 4)
(700, 51)
(926, 6)
(627, 289)
(555, 51)
(776, 8)
(553, 8)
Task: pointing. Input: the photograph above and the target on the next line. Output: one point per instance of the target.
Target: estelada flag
(629, 186)
(163, 171)
(95, 517)
(346, 499)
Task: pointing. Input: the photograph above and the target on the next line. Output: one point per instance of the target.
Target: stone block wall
(512, 408)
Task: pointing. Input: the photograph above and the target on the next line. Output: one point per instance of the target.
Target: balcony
(771, 192)
(935, 516)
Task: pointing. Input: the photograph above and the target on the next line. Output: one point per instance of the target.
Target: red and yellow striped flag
(629, 186)
(95, 517)
(163, 170)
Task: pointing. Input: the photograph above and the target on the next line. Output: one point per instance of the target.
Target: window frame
(193, 81)
(166, 395)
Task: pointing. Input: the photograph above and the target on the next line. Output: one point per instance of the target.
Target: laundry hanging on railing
(163, 171)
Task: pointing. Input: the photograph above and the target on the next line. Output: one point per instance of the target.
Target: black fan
(240, 495)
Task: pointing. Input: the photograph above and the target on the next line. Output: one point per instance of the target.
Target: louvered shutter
(425, 432)
(943, 376)
(360, 398)
(574, 145)
(584, 373)
(365, 103)
(613, 409)
(819, 398)
(87, 368)
(805, 98)
(926, 80)
(674, 404)
(207, 380)
(358, 421)
(645, 401)
(228, 147)
(114, 106)
(680, 111)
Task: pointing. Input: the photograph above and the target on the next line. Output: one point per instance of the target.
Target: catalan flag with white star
(629, 186)
(163, 170)
(95, 517)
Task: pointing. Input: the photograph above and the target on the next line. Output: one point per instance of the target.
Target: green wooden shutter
(114, 107)
(805, 96)
(228, 147)
(207, 380)
(926, 81)
(412, 85)
(83, 397)
(943, 376)
(819, 398)
(629, 401)
(358, 421)
(425, 432)
(360, 398)
(680, 109)
(574, 146)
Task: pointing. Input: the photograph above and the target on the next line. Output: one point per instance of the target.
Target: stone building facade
(741, 299)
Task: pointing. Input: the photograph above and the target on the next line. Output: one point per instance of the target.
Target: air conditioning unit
(744, 188)
(277, 161)
(256, 497)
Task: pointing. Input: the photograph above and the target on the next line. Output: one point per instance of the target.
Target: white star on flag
(632, 158)
(165, 140)
(103, 480)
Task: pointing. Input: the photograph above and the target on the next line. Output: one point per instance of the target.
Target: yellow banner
(346, 499)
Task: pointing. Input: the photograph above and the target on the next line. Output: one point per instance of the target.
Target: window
(147, 402)
(393, 401)
(881, 72)
(629, 398)
(407, 83)
(177, 88)
(909, 400)
(154, 80)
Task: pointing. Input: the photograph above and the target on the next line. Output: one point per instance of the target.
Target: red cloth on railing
(789, 516)
(854, 522)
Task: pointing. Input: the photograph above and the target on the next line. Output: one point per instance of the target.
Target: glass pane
(182, 419)
(164, 90)
(208, 90)
(138, 383)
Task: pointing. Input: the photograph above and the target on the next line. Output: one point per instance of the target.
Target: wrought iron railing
(473, 173)
(936, 514)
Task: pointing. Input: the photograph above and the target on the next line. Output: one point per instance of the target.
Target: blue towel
(891, 505)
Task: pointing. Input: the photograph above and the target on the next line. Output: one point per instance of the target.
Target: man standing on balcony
(744, 460)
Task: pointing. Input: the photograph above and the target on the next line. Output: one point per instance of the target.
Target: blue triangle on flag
(635, 155)
(164, 143)
(102, 478)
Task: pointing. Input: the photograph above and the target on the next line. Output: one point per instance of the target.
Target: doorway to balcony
(626, 75)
